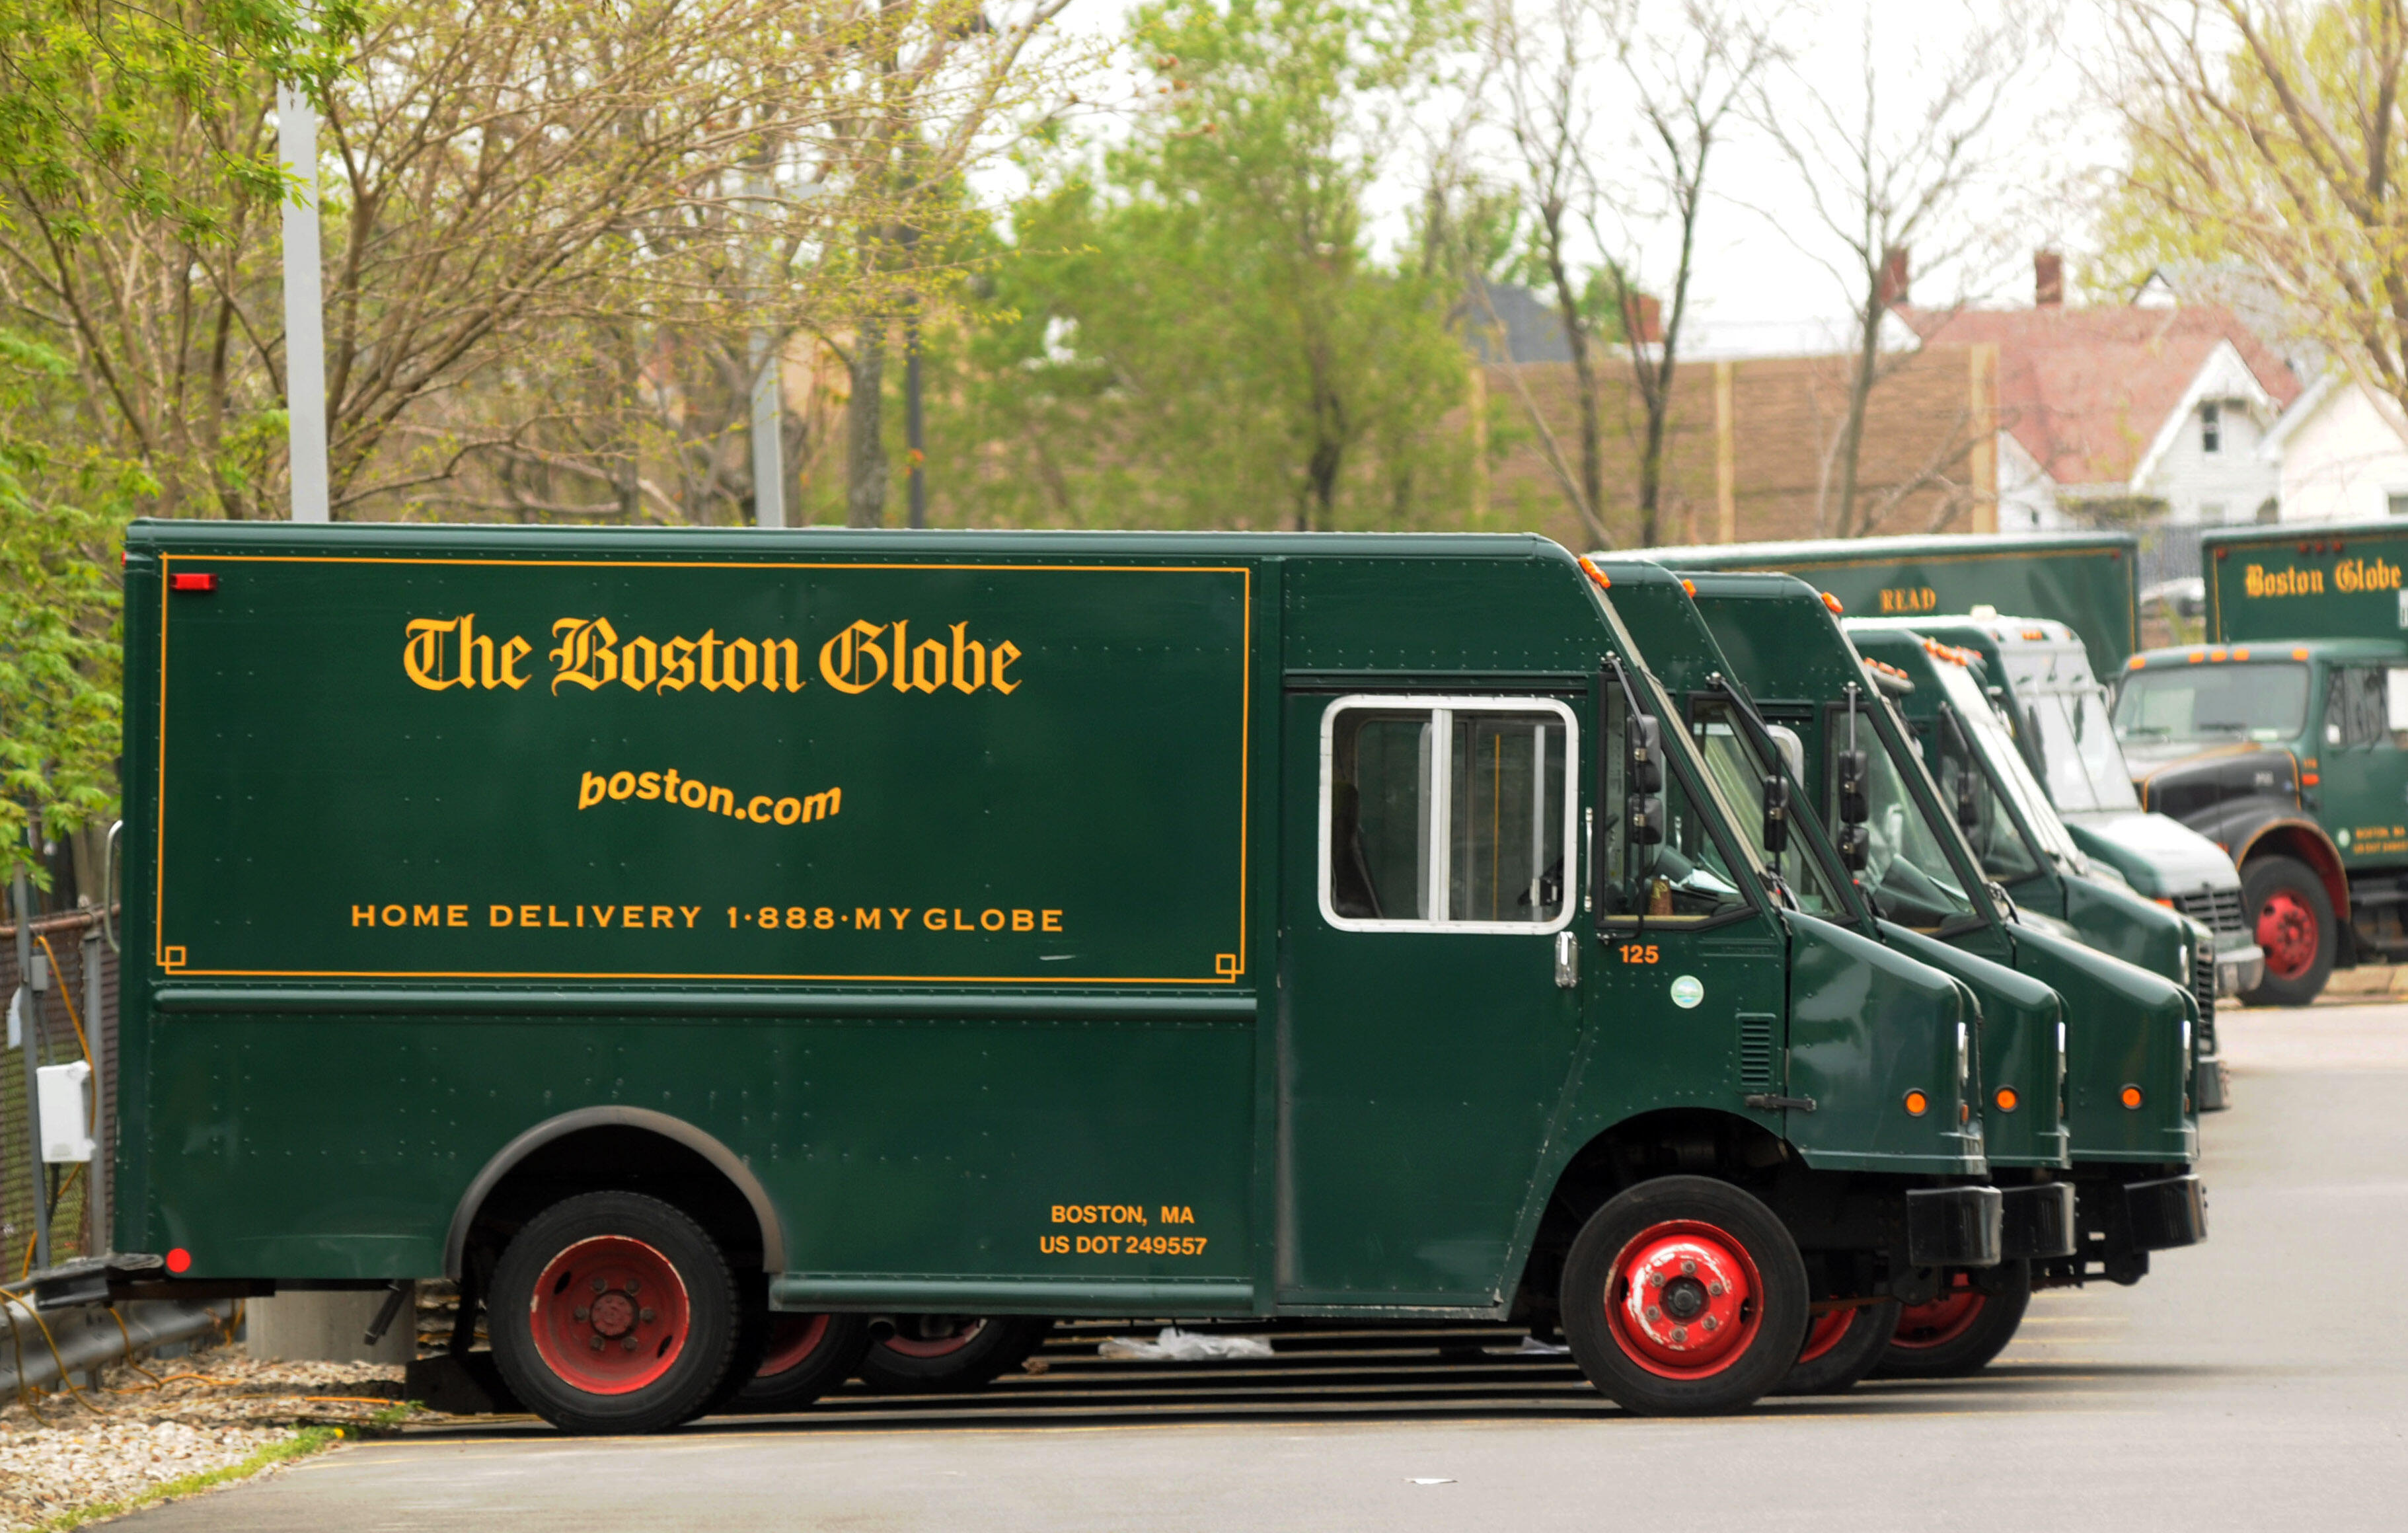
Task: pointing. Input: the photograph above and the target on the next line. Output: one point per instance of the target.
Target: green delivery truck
(2282, 740)
(1770, 657)
(667, 933)
(2086, 579)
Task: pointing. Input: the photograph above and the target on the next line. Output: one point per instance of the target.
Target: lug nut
(645, 1316)
(1654, 1312)
(632, 1286)
(1715, 1289)
(596, 1343)
(1710, 1323)
(1680, 1333)
(601, 1287)
(629, 1343)
(581, 1312)
(1688, 1268)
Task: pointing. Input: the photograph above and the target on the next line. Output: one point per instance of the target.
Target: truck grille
(2203, 986)
(2218, 910)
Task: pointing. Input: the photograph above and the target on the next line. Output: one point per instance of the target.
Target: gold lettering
(933, 920)
(363, 915)
(1005, 654)
(394, 915)
(690, 911)
(499, 915)
(639, 677)
(527, 917)
(677, 669)
(820, 805)
(585, 655)
(722, 801)
(426, 915)
(664, 916)
(902, 643)
(757, 808)
(604, 914)
(922, 678)
(472, 644)
(752, 665)
(515, 650)
(771, 649)
(455, 915)
(1052, 920)
(422, 654)
(841, 658)
(710, 661)
(968, 655)
(869, 918)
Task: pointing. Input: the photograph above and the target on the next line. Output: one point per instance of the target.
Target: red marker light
(192, 580)
(180, 1260)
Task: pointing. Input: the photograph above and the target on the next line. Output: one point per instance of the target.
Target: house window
(2211, 427)
(2396, 503)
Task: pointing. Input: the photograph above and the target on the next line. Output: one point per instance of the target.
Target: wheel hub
(2286, 930)
(1942, 1319)
(1685, 1299)
(608, 1314)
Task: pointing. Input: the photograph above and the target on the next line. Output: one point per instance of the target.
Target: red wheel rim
(957, 1333)
(2286, 930)
(1942, 1319)
(1824, 1333)
(793, 1339)
(608, 1314)
(1683, 1299)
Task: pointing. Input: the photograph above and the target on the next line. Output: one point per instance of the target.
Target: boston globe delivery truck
(657, 932)
(2282, 737)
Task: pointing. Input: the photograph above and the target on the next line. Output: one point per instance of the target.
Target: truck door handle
(1567, 958)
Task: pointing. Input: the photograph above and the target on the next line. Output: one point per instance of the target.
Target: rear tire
(614, 1312)
(1684, 1296)
(1960, 1332)
(808, 1356)
(1840, 1348)
(2292, 918)
(930, 1354)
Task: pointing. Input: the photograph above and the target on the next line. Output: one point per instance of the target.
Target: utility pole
(305, 322)
(913, 424)
(768, 432)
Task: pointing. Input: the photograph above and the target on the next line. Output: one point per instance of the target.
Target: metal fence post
(31, 1016)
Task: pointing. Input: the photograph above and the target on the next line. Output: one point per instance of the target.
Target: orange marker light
(1588, 568)
(2300, 654)
(2138, 661)
(1833, 602)
(2309, 780)
(180, 1260)
(2198, 655)
(1918, 1104)
(1689, 586)
(2130, 1096)
(2007, 1098)
(2241, 655)
(2215, 654)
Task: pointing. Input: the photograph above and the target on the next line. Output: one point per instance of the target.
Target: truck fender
(2290, 836)
(724, 1160)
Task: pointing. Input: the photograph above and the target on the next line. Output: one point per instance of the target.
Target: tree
(1195, 331)
(1601, 166)
(1889, 162)
(2273, 137)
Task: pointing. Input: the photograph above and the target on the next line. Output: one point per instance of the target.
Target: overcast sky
(1751, 266)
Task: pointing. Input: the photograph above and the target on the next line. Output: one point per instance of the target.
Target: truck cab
(2284, 739)
(2060, 719)
(2022, 843)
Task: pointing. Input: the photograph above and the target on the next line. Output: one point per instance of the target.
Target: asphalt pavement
(2258, 1382)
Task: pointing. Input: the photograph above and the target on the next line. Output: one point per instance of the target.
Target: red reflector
(192, 580)
(180, 1260)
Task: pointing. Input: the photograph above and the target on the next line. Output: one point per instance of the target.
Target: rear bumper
(2036, 1223)
(1954, 1226)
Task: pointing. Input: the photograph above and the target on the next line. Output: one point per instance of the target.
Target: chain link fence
(61, 1033)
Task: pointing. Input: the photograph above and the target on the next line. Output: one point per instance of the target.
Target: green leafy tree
(1196, 329)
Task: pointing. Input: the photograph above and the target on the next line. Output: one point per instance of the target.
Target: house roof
(2331, 388)
(2094, 394)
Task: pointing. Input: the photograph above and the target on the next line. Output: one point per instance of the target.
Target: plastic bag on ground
(1177, 1346)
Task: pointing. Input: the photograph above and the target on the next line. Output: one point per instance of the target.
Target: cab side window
(1453, 812)
(2356, 707)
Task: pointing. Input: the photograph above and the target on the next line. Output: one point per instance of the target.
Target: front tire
(1960, 1332)
(614, 1312)
(1842, 1347)
(1684, 1296)
(2293, 919)
(931, 1354)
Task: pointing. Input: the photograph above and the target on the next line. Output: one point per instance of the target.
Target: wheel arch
(677, 1147)
(2306, 841)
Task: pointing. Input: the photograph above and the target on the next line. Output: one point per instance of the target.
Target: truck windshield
(1907, 874)
(2001, 778)
(2075, 741)
(2262, 700)
(1739, 770)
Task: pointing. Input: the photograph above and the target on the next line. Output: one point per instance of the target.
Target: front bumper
(2211, 1086)
(2036, 1223)
(1954, 1226)
(2238, 969)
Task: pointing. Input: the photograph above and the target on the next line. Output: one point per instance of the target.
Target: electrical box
(64, 1125)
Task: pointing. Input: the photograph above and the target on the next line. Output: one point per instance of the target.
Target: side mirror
(1849, 770)
(1643, 741)
(1855, 847)
(1969, 806)
(1646, 815)
(1776, 815)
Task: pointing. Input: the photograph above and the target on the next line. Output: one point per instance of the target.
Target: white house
(2341, 452)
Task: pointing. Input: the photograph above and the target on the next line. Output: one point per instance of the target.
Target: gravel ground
(137, 1429)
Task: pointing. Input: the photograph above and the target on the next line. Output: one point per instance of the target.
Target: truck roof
(2084, 580)
(2343, 580)
(2329, 648)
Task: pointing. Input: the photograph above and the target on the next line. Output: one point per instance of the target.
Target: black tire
(1934, 1343)
(2276, 893)
(1843, 1362)
(752, 1343)
(932, 1355)
(616, 1364)
(1749, 1298)
(807, 1357)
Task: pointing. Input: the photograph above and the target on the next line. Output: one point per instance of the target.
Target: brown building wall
(1918, 470)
